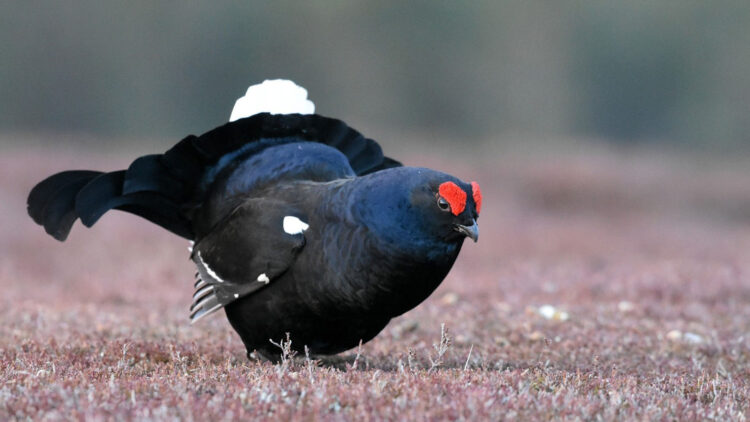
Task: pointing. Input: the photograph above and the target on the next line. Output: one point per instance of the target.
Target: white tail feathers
(278, 96)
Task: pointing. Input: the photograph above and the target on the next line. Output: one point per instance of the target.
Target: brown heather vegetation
(644, 259)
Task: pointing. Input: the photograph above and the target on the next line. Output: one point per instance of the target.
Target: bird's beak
(471, 231)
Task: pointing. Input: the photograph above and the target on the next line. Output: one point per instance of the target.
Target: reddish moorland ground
(642, 258)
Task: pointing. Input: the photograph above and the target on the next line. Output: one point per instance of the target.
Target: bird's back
(268, 173)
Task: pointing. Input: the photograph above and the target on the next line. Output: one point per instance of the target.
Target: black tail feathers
(164, 188)
(59, 200)
(52, 202)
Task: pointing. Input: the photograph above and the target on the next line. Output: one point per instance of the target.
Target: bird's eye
(443, 204)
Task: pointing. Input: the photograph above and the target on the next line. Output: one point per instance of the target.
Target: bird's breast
(351, 270)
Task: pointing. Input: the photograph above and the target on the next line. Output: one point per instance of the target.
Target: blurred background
(625, 73)
(611, 140)
(601, 132)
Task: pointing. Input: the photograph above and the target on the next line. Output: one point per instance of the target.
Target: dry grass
(646, 263)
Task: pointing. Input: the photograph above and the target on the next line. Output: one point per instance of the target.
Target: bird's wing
(250, 248)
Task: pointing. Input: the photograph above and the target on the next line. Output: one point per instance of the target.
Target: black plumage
(300, 224)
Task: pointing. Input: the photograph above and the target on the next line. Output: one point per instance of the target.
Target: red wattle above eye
(477, 194)
(455, 196)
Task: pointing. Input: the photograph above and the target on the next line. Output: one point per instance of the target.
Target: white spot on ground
(293, 225)
(693, 338)
(674, 335)
(263, 278)
(449, 299)
(550, 312)
(625, 306)
(687, 337)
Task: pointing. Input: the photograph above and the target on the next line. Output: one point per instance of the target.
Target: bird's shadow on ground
(390, 363)
(339, 362)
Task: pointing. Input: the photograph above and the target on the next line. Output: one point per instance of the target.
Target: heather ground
(605, 285)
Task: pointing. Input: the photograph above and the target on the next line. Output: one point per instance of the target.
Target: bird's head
(460, 206)
(421, 207)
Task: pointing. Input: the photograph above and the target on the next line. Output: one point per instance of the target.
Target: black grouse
(300, 224)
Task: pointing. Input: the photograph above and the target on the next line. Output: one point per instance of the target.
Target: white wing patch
(293, 225)
(277, 96)
(205, 301)
(209, 270)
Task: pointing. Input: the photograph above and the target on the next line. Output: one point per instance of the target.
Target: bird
(299, 225)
